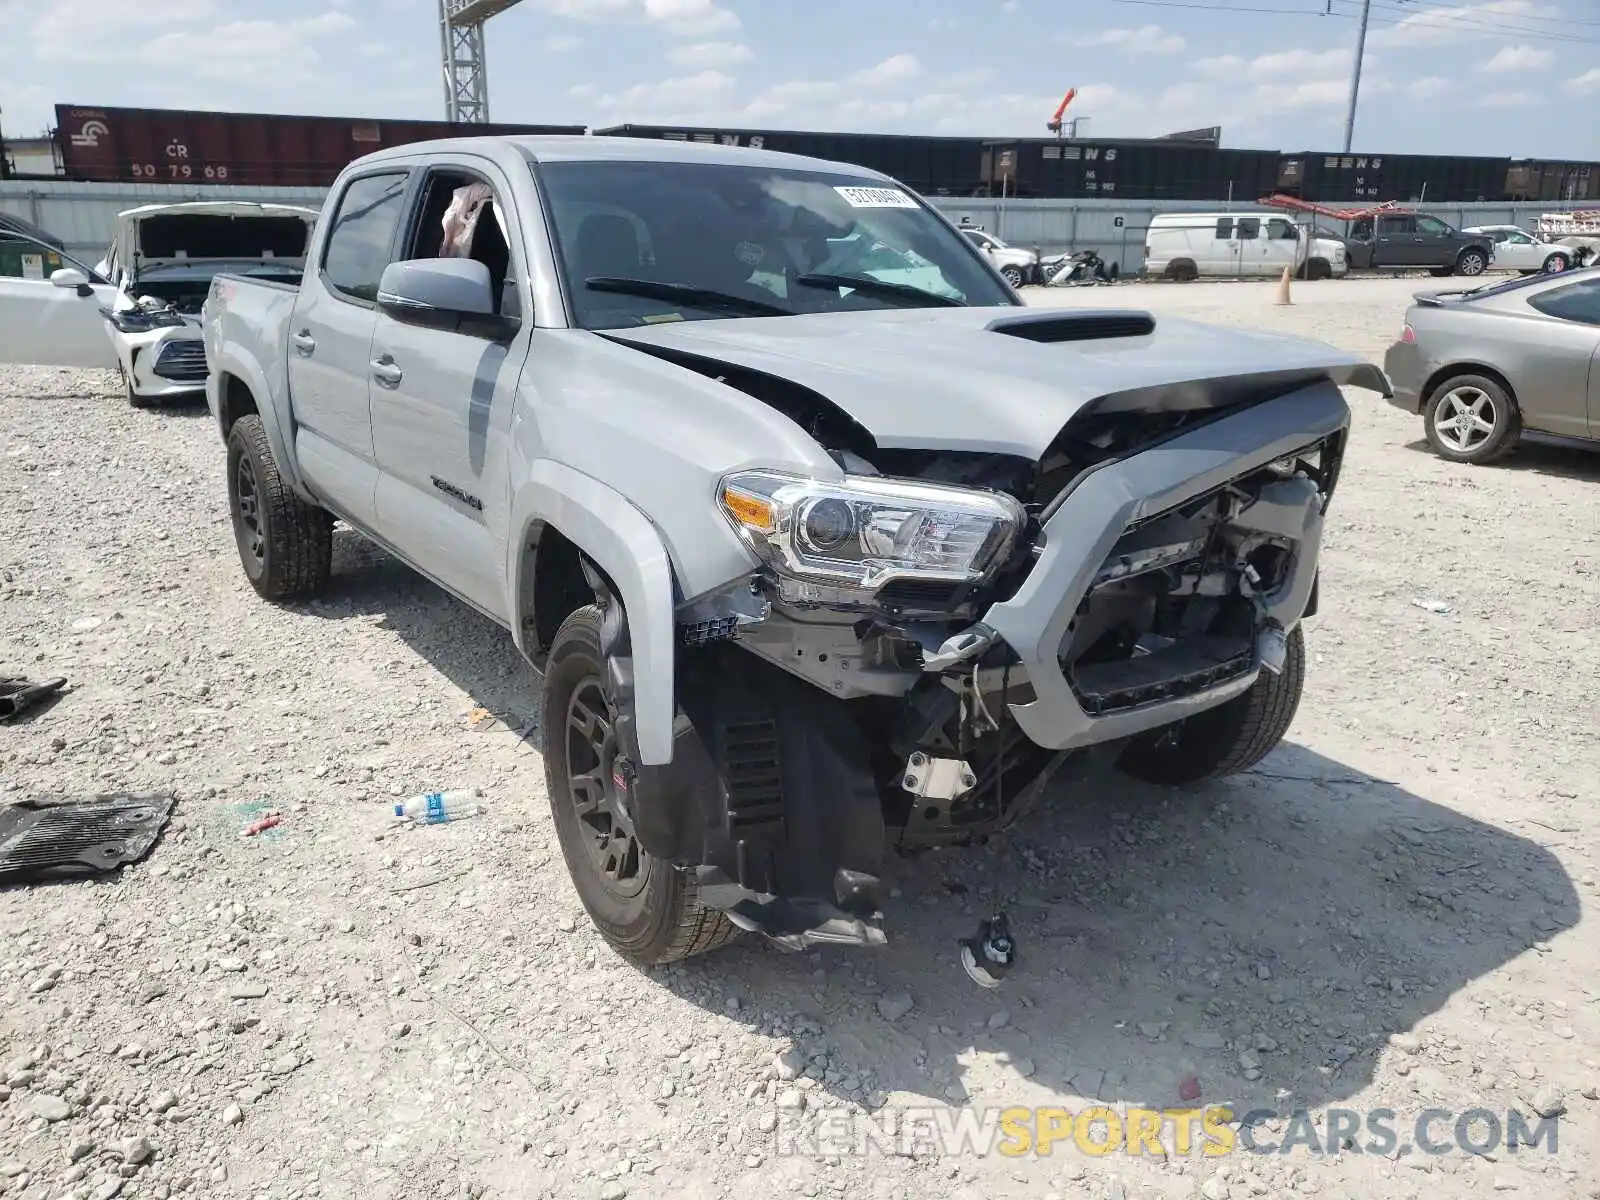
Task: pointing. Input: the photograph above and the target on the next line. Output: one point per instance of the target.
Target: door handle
(386, 372)
(304, 342)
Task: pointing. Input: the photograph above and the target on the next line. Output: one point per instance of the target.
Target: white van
(1237, 245)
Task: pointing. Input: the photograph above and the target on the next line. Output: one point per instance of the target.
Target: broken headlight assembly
(142, 320)
(831, 542)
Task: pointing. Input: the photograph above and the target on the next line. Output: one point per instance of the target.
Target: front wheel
(1012, 275)
(285, 544)
(648, 910)
(1472, 262)
(1225, 740)
(1556, 264)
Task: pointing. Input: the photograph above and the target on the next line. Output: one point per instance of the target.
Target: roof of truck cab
(590, 148)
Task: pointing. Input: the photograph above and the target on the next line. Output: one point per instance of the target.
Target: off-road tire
(666, 921)
(297, 537)
(1507, 420)
(1471, 262)
(1225, 740)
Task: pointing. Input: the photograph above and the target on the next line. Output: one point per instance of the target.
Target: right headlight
(864, 532)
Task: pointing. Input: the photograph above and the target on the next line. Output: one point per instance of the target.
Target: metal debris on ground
(45, 839)
(19, 693)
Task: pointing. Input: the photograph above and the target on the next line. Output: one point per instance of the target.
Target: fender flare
(273, 409)
(620, 540)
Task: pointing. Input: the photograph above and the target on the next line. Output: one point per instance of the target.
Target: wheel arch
(566, 520)
(1436, 380)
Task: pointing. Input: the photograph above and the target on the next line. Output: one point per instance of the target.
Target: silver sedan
(1486, 367)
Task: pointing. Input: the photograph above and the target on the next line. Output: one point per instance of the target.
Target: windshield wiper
(656, 289)
(880, 287)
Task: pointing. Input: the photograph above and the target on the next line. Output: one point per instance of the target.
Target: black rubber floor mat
(45, 839)
(18, 694)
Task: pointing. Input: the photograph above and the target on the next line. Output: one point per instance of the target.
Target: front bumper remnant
(1089, 519)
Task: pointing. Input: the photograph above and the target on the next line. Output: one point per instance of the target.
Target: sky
(1495, 77)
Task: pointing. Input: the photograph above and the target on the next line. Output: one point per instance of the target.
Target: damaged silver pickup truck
(825, 545)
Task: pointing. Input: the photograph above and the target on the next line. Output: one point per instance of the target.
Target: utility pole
(1355, 75)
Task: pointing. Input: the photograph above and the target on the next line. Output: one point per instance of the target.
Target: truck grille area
(1178, 604)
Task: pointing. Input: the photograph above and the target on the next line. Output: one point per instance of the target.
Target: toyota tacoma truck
(818, 559)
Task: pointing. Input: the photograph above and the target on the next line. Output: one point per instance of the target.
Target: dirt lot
(1388, 914)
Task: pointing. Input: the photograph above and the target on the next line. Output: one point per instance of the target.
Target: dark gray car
(1486, 367)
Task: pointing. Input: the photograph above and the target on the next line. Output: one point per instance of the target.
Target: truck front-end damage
(927, 641)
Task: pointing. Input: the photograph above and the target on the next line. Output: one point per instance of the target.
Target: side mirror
(444, 293)
(71, 277)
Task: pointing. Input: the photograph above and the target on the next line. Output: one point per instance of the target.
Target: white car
(147, 292)
(1515, 249)
(1016, 265)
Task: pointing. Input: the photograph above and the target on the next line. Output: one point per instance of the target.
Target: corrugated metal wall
(81, 214)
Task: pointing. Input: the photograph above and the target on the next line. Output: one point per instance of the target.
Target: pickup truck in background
(1405, 241)
(823, 543)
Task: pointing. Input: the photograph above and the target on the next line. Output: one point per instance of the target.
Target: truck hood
(999, 380)
(229, 231)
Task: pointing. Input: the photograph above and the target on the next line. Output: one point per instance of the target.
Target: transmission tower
(466, 69)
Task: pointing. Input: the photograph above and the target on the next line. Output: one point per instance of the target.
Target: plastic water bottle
(435, 808)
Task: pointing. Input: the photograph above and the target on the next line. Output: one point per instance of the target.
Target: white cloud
(1516, 58)
(687, 18)
(686, 98)
(561, 43)
(1146, 39)
(691, 17)
(1429, 87)
(1459, 22)
(1517, 99)
(1585, 84)
(281, 53)
(709, 55)
(1297, 64)
(891, 72)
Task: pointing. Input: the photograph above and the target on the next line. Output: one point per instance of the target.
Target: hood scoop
(1084, 325)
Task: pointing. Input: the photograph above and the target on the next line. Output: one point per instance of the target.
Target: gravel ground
(1388, 913)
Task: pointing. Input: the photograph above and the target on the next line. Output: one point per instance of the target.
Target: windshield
(642, 243)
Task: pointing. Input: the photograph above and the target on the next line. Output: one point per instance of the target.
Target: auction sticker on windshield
(871, 197)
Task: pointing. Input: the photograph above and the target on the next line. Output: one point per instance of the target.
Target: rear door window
(361, 237)
(1249, 228)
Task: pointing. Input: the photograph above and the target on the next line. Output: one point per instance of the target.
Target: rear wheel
(1472, 419)
(648, 910)
(1225, 740)
(1182, 270)
(285, 544)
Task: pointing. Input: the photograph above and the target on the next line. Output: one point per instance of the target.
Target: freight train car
(935, 166)
(1374, 178)
(1157, 169)
(1536, 179)
(144, 145)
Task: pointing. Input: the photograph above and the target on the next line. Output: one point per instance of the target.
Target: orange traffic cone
(1283, 288)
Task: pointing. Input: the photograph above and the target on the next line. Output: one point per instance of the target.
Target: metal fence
(81, 214)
